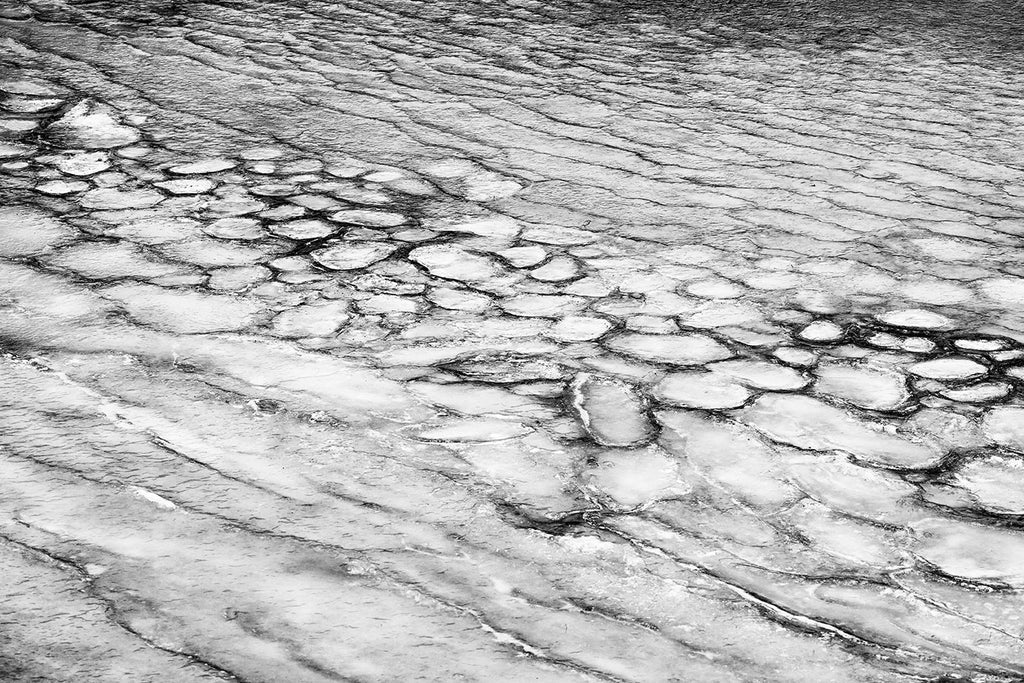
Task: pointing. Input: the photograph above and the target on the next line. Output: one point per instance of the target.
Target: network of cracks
(270, 416)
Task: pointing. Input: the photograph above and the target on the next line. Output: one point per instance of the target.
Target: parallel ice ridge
(297, 418)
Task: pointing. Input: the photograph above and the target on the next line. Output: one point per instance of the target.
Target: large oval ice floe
(676, 349)
(915, 319)
(82, 163)
(698, 389)
(113, 261)
(203, 166)
(472, 430)
(524, 257)
(631, 478)
(455, 263)
(316, 319)
(983, 392)
(761, 374)
(25, 231)
(993, 483)
(235, 229)
(112, 199)
(730, 457)
(862, 386)
(304, 229)
(500, 227)
(981, 344)
(458, 299)
(13, 150)
(792, 355)
(810, 424)
(821, 332)
(184, 312)
(558, 269)
(972, 552)
(29, 87)
(846, 537)
(90, 125)
(369, 218)
(953, 368)
(186, 186)
(575, 328)
(542, 305)
(1005, 426)
(352, 255)
(611, 411)
(59, 188)
(476, 399)
(864, 492)
(723, 314)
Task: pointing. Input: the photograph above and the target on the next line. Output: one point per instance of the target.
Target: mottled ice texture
(916, 318)
(185, 312)
(25, 231)
(706, 390)
(807, 423)
(952, 368)
(454, 263)
(972, 552)
(463, 341)
(682, 349)
(862, 386)
(611, 411)
(352, 255)
(91, 125)
(202, 166)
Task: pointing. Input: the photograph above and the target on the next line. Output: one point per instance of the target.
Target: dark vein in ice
(72, 567)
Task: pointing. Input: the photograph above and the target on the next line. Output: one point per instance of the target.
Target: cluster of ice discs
(345, 245)
(513, 330)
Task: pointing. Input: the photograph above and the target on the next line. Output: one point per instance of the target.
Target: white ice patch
(159, 501)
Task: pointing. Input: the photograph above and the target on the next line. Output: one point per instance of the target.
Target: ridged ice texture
(520, 341)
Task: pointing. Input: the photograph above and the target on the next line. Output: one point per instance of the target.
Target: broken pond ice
(558, 369)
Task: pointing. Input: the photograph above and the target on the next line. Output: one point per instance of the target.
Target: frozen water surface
(477, 341)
